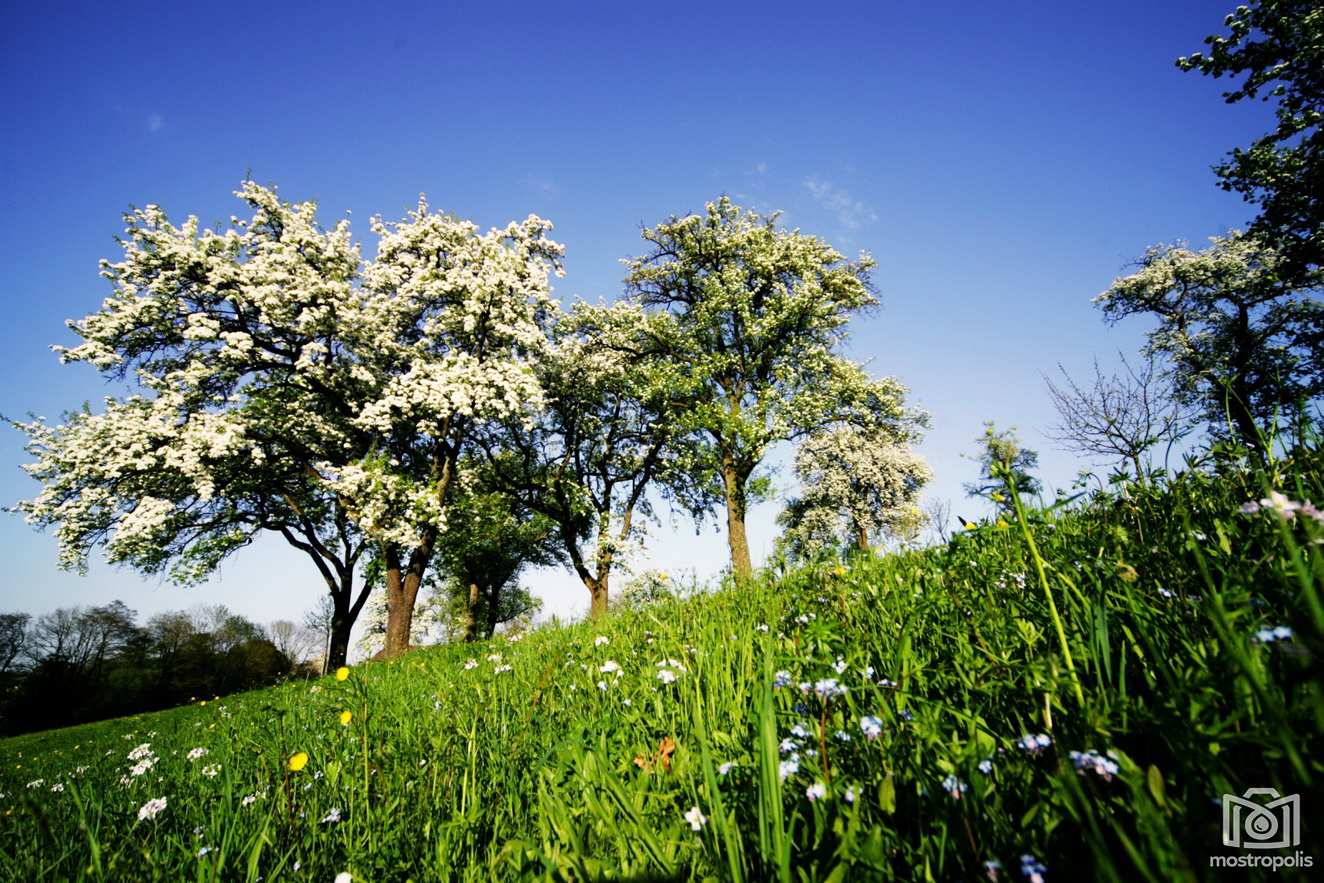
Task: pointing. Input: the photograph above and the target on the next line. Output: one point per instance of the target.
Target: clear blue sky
(1002, 162)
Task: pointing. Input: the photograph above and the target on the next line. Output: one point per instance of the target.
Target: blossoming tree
(1243, 334)
(289, 387)
(448, 333)
(749, 319)
(859, 482)
(610, 434)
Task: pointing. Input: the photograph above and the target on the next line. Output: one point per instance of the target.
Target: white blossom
(271, 344)
(151, 808)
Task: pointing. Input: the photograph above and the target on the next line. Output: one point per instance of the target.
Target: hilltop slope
(910, 716)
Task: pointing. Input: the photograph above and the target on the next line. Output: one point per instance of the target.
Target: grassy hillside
(912, 716)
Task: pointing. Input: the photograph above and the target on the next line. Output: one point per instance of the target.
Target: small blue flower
(986, 767)
(871, 726)
(1034, 743)
(955, 787)
(781, 679)
(1270, 635)
(1092, 761)
(1032, 869)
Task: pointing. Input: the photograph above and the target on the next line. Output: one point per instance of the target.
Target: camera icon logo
(1261, 819)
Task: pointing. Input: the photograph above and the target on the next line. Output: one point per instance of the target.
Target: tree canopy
(748, 319)
(610, 435)
(859, 485)
(288, 386)
(1276, 48)
(1246, 344)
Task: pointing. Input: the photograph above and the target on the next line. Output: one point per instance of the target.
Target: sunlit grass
(907, 716)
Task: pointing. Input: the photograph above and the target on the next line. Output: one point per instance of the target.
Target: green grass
(454, 773)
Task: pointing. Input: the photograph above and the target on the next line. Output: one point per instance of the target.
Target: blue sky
(1002, 163)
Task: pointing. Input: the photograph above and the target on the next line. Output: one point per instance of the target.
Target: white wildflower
(151, 808)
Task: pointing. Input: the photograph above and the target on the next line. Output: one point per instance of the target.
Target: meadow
(1066, 692)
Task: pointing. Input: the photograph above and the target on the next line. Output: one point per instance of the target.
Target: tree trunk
(598, 592)
(337, 647)
(1240, 393)
(402, 584)
(1244, 420)
(862, 538)
(734, 485)
(471, 615)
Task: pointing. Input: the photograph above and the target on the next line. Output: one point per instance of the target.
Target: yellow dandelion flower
(1001, 525)
(345, 717)
(342, 673)
(297, 761)
(970, 525)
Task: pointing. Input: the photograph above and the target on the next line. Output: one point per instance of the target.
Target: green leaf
(887, 795)
(1154, 779)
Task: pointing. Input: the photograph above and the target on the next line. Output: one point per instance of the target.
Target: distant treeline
(81, 664)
